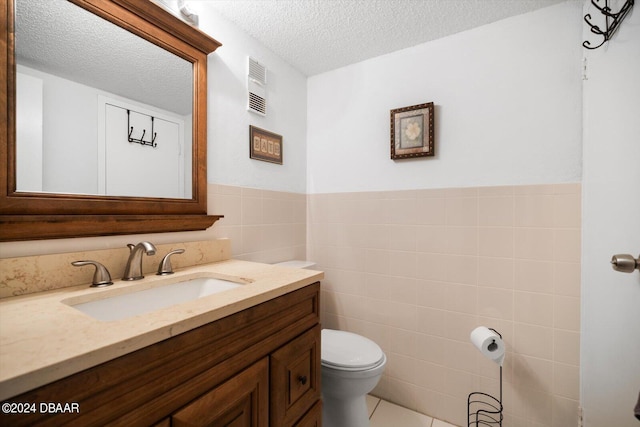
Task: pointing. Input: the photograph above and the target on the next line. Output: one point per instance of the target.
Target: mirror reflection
(99, 110)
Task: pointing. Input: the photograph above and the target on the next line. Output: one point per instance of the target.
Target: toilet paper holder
(484, 409)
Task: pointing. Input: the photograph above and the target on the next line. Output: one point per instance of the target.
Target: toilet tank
(309, 265)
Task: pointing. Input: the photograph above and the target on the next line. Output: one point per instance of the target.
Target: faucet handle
(165, 265)
(101, 276)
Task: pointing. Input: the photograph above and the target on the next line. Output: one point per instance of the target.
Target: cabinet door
(313, 418)
(295, 378)
(241, 401)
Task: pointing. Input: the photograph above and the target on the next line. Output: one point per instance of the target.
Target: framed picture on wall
(412, 131)
(265, 145)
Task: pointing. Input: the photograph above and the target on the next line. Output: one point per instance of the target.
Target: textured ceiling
(312, 35)
(320, 35)
(62, 39)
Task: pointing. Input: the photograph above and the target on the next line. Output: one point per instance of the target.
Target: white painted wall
(610, 351)
(29, 132)
(229, 120)
(508, 109)
(69, 122)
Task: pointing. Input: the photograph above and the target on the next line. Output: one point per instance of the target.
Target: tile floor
(386, 414)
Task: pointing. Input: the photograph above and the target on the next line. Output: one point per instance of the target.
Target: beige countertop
(43, 339)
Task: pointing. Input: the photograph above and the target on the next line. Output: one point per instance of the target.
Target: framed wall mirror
(105, 120)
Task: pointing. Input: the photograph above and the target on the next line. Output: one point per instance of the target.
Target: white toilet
(351, 367)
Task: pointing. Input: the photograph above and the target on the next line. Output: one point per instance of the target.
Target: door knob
(625, 263)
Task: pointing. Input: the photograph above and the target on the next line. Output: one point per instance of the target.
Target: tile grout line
(375, 407)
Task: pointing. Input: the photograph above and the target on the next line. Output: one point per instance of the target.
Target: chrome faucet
(133, 269)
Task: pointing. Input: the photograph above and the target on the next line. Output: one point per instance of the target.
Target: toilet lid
(346, 350)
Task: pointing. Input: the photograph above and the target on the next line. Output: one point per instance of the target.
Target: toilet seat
(347, 351)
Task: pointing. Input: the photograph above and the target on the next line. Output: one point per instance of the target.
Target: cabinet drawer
(242, 401)
(295, 378)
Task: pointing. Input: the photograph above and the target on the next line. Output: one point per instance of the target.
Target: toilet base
(345, 412)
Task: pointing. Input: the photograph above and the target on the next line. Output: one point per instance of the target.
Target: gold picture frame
(412, 131)
(265, 145)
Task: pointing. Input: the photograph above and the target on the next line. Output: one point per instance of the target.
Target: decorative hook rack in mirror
(141, 140)
(612, 21)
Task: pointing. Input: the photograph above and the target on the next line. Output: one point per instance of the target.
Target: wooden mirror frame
(31, 216)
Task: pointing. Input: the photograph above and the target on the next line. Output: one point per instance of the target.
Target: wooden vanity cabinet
(258, 367)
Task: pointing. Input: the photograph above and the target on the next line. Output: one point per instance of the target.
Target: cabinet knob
(302, 379)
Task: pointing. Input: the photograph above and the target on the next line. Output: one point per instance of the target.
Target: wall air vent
(257, 72)
(257, 101)
(256, 91)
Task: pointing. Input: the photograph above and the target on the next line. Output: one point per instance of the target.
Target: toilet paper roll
(489, 343)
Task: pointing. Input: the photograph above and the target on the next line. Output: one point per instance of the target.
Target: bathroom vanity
(253, 359)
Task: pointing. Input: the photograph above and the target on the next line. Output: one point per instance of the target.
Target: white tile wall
(416, 271)
(264, 226)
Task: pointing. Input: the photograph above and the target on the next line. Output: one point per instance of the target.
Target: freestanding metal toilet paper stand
(484, 409)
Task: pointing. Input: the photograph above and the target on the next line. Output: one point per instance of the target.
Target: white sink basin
(128, 305)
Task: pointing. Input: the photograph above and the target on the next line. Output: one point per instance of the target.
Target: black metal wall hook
(612, 21)
(141, 141)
